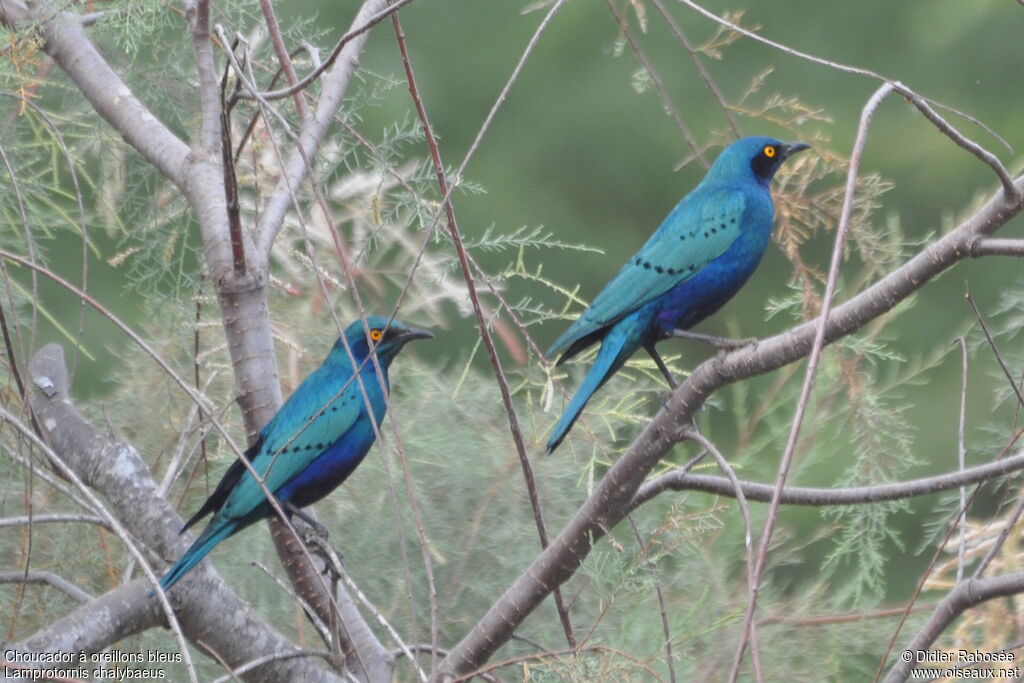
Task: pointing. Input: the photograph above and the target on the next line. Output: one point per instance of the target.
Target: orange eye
(376, 335)
(769, 151)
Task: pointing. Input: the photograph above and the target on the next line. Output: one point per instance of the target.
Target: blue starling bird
(697, 260)
(311, 445)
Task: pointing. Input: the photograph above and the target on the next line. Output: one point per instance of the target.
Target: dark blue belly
(691, 301)
(330, 468)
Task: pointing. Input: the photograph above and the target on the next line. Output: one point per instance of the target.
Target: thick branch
(967, 594)
(209, 92)
(212, 612)
(610, 501)
(113, 616)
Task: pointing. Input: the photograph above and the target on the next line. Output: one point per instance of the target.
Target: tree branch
(198, 15)
(998, 247)
(681, 480)
(45, 578)
(99, 623)
(965, 595)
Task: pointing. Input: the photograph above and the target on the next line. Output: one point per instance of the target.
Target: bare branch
(1012, 194)
(995, 350)
(198, 15)
(748, 539)
(266, 659)
(922, 103)
(961, 458)
(998, 247)
(659, 85)
(47, 579)
(705, 76)
(965, 595)
(274, 29)
(681, 480)
(56, 518)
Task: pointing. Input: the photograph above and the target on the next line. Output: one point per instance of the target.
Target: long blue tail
(618, 345)
(211, 536)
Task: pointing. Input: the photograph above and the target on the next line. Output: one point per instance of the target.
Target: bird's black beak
(791, 148)
(414, 333)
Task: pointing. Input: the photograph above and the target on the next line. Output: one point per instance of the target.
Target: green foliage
(384, 205)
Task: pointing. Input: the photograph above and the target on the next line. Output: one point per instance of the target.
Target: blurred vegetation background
(583, 153)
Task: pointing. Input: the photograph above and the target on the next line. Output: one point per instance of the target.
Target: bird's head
(757, 157)
(387, 338)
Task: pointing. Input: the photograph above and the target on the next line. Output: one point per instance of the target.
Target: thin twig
(266, 659)
(705, 75)
(327, 63)
(46, 578)
(956, 136)
(54, 519)
(666, 632)
(748, 540)
(230, 181)
(659, 85)
(812, 364)
(995, 349)
(482, 323)
(922, 103)
(285, 60)
(338, 567)
(961, 458)
(825, 619)
(1004, 533)
(648, 671)
(318, 624)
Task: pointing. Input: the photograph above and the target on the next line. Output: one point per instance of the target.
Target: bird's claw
(685, 431)
(734, 344)
(722, 343)
(317, 531)
(314, 527)
(718, 365)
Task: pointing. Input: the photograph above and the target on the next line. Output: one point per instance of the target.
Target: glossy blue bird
(311, 445)
(697, 260)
